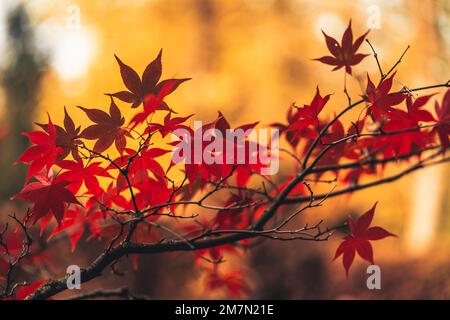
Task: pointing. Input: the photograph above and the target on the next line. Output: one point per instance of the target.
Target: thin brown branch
(123, 293)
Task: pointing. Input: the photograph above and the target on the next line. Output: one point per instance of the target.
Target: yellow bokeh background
(251, 59)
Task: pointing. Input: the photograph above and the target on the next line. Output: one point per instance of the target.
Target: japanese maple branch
(121, 170)
(369, 184)
(106, 258)
(13, 262)
(350, 107)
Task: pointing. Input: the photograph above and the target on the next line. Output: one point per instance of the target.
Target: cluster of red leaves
(225, 159)
(90, 192)
(388, 128)
(400, 127)
(89, 189)
(53, 144)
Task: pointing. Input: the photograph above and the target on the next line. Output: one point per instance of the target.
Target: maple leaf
(380, 100)
(169, 125)
(77, 173)
(221, 168)
(309, 114)
(154, 192)
(403, 143)
(107, 128)
(415, 110)
(291, 136)
(140, 166)
(155, 102)
(73, 224)
(108, 198)
(67, 137)
(344, 54)
(43, 153)
(303, 121)
(245, 168)
(47, 195)
(443, 120)
(234, 218)
(150, 85)
(359, 239)
(336, 133)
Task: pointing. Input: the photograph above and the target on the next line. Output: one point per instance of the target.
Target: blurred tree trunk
(21, 81)
(428, 190)
(209, 46)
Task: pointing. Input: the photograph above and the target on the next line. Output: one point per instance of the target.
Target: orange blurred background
(251, 59)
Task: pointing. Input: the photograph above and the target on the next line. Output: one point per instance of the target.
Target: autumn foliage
(111, 178)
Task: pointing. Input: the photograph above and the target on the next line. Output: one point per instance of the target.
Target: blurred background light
(71, 51)
(331, 23)
(259, 4)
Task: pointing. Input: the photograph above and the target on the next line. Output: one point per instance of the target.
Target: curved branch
(54, 287)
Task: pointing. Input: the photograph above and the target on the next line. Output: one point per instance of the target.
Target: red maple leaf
(148, 86)
(107, 130)
(303, 121)
(344, 54)
(169, 125)
(67, 137)
(77, 173)
(44, 151)
(402, 143)
(336, 133)
(139, 167)
(73, 224)
(291, 136)
(109, 198)
(234, 218)
(152, 192)
(443, 122)
(415, 110)
(309, 114)
(217, 169)
(47, 195)
(358, 240)
(155, 102)
(380, 100)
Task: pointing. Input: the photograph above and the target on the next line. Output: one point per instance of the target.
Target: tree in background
(21, 81)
